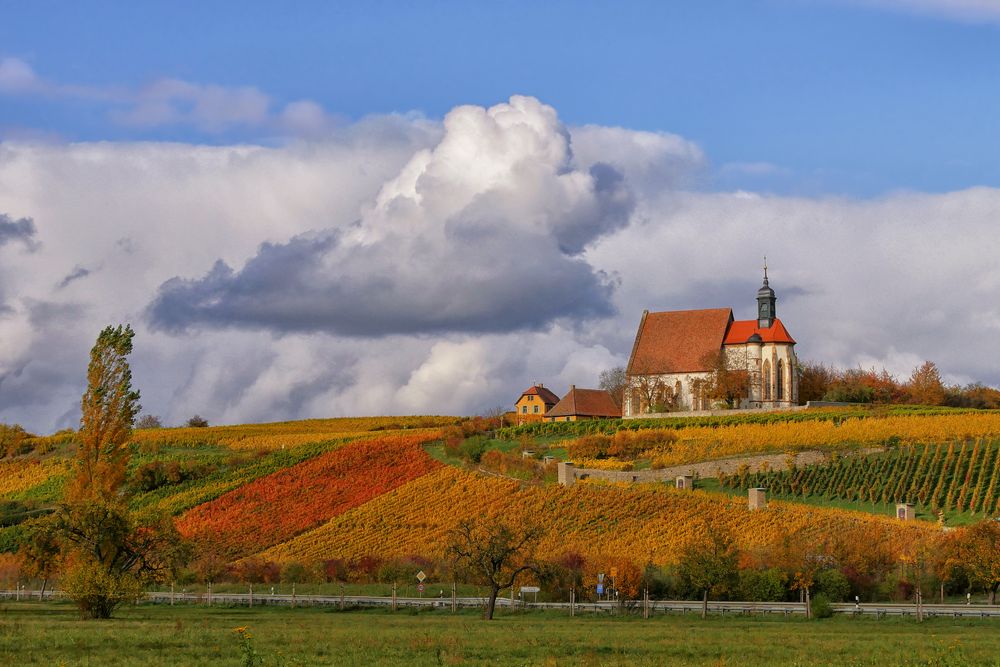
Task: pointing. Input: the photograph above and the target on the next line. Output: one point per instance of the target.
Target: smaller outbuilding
(534, 403)
(581, 404)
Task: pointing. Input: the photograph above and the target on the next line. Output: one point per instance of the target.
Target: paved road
(657, 606)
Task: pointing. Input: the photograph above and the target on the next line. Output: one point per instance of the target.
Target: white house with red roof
(671, 361)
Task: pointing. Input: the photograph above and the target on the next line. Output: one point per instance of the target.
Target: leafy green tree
(708, 564)
(762, 585)
(833, 583)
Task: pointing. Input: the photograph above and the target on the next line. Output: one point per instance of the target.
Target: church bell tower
(765, 303)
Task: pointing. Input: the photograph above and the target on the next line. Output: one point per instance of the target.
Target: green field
(52, 634)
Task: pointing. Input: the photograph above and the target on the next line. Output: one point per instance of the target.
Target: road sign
(420, 588)
(421, 576)
(614, 573)
(530, 589)
(600, 578)
(600, 589)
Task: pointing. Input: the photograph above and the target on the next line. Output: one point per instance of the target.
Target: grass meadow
(53, 634)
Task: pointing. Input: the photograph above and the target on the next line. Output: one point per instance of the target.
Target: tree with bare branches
(493, 553)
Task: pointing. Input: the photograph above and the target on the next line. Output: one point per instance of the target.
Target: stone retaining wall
(568, 473)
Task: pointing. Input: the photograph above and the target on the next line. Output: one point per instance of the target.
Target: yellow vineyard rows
(286, 434)
(610, 463)
(704, 443)
(17, 476)
(642, 523)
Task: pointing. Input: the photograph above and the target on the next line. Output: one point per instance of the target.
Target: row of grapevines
(611, 426)
(959, 476)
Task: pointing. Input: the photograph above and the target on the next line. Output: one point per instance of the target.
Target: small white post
(251, 595)
(171, 594)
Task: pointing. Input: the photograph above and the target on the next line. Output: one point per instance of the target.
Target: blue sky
(784, 95)
(314, 209)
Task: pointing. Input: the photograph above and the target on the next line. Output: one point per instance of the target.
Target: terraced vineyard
(959, 476)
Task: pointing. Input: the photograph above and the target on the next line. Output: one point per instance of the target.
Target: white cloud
(888, 281)
(970, 11)
(211, 108)
(16, 76)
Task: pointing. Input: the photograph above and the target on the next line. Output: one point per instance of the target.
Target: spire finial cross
(765, 268)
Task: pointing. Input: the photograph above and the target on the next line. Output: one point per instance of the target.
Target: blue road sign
(600, 589)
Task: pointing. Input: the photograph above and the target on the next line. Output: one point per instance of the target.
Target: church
(677, 354)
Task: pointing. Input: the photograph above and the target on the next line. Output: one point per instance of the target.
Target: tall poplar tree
(109, 553)
(108, 411)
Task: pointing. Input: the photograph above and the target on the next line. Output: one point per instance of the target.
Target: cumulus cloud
(482, 232)
(401, 265)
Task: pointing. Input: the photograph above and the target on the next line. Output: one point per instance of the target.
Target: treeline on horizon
(820, 382)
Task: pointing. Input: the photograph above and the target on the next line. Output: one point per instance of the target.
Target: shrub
(472, 449)
(294, 573)
(197, 422)
(834, 584)
(762, 585)
(820, 607)
(589, 446)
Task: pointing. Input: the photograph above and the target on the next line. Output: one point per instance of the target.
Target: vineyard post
(454, 597)
(342, 597)
(393, 596)
(251, 595)
(210, 594)
(293, 595)
(171, 594)
(572, 601)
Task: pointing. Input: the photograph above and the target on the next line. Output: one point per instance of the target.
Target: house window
(767, 380)
(536, 409)
(524, 409)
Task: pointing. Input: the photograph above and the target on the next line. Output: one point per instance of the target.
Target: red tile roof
(585, 403)
(547, 396)
(678, 341)
(741, 330)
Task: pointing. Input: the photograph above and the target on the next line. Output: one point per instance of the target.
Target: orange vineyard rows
(640, 523)
(277, 507)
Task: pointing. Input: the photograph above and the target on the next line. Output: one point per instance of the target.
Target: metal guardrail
(736, 608)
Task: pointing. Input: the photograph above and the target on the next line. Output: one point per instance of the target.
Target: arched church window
(767, 380)
(779, 377)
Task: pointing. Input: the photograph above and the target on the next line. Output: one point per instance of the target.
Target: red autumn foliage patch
(275, 508)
